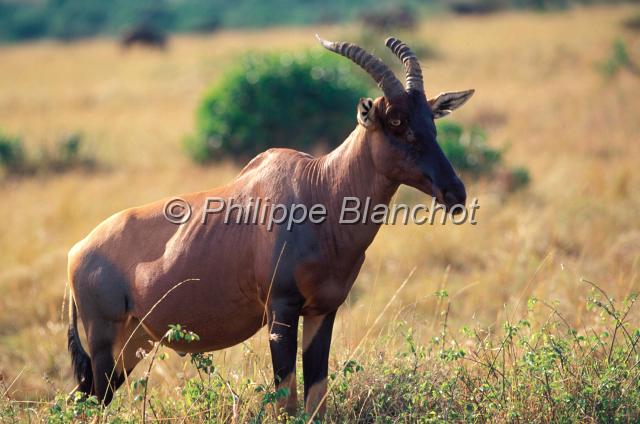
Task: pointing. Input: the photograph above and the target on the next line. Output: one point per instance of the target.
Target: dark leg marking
(283, 341)
(315, 359)
(105, 380)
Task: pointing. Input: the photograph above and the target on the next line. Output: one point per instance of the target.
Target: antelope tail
(80, 361)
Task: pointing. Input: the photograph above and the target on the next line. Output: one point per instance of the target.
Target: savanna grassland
(497, 321)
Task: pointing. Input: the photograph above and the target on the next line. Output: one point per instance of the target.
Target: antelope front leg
(316, 342)
(283, 341)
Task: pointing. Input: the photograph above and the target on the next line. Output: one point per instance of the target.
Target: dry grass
(577, 132)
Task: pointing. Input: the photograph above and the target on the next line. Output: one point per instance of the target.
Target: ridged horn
(383, 76)
(413, 72)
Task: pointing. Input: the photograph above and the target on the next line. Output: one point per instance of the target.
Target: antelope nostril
(450, 198)
(455, 195)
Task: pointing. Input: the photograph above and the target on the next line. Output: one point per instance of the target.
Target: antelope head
(400, 128)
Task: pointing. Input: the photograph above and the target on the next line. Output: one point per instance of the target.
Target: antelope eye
(395, 122)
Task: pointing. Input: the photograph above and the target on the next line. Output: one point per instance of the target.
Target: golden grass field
(537, 89)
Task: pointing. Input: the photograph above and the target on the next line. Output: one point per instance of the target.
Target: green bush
(467, 149)
(544, 4)
(618, 59)
(66, 154)
(520, 177)
(11, 152)
(277, 100)
(469, 153)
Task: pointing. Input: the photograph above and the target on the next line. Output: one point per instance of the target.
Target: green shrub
(76, 408)
(543, 4)
(477, 7)
(277, 100)
(467, 149)
(618, 59)
(11, 152)
(469, 153)
(66, 154)
(75, 19)
(520, 176)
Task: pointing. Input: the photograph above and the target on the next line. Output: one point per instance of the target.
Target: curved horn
(410, 61)
(380, 72)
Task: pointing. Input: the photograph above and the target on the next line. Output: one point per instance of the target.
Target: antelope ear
(365, 112)
(445, 103)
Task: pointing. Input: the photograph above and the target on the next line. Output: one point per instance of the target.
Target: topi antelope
(144, 35)
(123, 275)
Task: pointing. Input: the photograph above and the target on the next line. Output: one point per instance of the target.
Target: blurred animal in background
(144, 35)
(477, 7)
(388, 19)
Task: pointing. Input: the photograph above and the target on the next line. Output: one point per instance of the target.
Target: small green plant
(65, 155)
(618, 60)
(276, 100)
(11, 153)
(203, 363)
(269, 398)
(520, 177)
(80, 408)
(177, 333)
(138, 388)
(69, 148)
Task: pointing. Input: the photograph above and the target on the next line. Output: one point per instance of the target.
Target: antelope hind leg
(316, 343)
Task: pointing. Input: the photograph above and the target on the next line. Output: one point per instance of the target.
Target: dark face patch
(413, 151)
